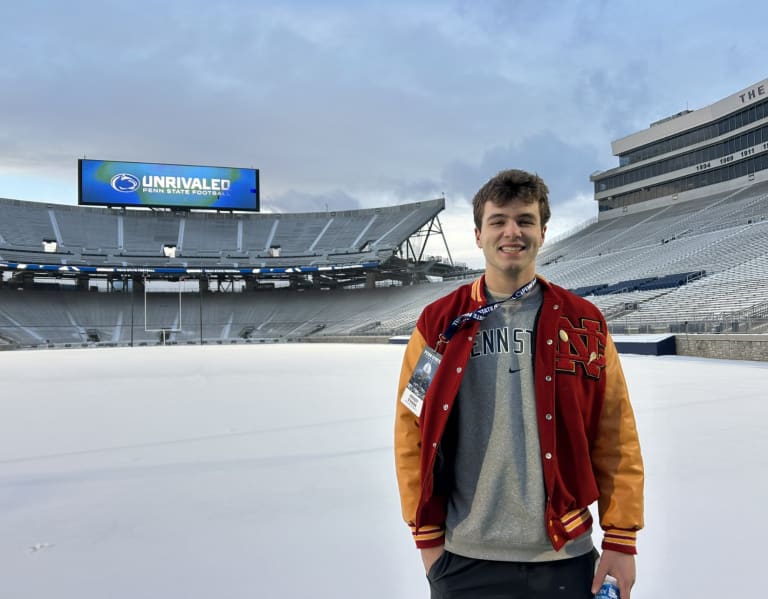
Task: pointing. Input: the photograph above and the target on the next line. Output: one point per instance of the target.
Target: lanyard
(480, 314)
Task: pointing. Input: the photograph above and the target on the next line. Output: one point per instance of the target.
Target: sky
(267, 471)
(344, 105)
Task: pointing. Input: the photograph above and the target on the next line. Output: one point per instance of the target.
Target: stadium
(213, 466)
(679, 250)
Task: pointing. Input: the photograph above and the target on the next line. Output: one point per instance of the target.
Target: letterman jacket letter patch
(583, 345)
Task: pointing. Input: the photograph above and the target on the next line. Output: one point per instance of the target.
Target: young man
(525, 423)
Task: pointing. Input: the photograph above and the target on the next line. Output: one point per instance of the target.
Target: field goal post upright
(163, 330)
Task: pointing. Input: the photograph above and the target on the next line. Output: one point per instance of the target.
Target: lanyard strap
(480, 314)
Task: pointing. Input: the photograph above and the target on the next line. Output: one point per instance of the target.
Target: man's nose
(511, 229)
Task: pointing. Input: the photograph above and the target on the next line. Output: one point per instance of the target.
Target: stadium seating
(697, 266)
(137, 237)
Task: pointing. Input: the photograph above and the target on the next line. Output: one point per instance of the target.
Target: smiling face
(510, 236)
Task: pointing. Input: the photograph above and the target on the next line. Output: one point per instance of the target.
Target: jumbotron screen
(110, 183)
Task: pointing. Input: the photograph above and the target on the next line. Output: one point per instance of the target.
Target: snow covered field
(266, 471)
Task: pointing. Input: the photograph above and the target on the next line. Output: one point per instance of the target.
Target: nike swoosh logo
(515, 370)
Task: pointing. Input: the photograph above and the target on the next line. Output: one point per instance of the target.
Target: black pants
(456, 577)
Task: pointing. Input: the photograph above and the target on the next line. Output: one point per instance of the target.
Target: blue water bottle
(609, 590)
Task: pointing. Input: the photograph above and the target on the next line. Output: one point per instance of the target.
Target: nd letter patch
(584, 344)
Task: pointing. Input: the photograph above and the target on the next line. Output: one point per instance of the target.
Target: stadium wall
(752, 347)
(723, 346)
(347, 339)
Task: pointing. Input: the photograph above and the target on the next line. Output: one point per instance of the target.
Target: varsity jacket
(589, 443)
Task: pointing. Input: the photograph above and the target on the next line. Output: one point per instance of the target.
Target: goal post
(166, 319)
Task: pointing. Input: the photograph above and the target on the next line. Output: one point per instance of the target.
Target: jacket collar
(478, 289)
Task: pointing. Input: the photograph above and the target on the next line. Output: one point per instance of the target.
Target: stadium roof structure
(336, 247)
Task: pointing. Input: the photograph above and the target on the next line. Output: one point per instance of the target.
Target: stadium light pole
(200, 293)
(133, 288)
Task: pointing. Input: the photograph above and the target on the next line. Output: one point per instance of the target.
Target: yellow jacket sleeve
(408, 451)
(617, 462)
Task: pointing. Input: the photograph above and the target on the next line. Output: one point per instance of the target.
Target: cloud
(298, 201)
(620, 97)
(316, 97)
(564, 166)
(345, 103)
(417, 190)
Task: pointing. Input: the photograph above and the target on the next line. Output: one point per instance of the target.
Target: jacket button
(548, 378)
(555, 538)
(549, 341)
(434, 444)
(469, 338)
(563, 335)
(548, 416)
(445, 407)
(548, 455)
(458, 370)
(555, 307)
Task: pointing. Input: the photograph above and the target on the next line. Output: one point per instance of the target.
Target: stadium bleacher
(134, 237)
(696, 266)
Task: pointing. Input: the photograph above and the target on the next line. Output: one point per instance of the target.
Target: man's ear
(477, 237)
(543, 233)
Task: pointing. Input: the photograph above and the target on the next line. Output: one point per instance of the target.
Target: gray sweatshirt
(496, 508)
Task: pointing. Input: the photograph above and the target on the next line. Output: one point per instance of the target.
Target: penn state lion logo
(125, 183)
(584, 344)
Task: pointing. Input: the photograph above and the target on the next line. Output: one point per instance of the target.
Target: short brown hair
(512, 185)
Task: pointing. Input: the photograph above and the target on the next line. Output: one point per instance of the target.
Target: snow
(267, 471)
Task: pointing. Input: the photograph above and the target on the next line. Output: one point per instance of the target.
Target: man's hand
(429, 556)
(619, 565)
